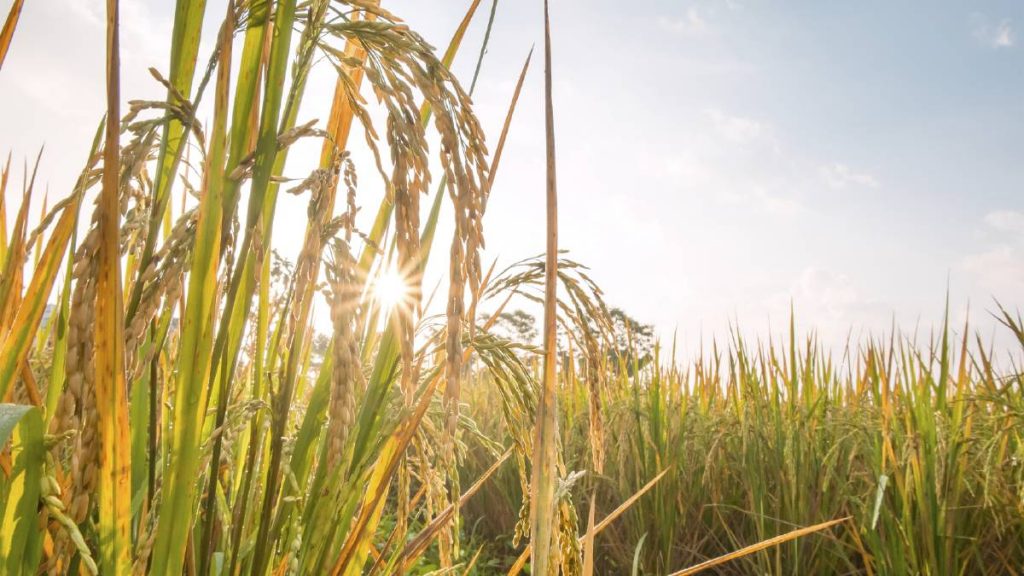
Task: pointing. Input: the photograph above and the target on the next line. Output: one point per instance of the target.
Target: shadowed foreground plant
(235, 464)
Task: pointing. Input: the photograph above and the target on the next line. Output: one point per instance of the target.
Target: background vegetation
(917, 444)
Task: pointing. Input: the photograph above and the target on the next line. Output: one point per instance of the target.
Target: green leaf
(636, 555)
(14, 346)
(20, 538)
(10, 415)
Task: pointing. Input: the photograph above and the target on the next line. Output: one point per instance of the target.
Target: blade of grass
(13, 271)
(543, 483)
(16, 342)
(782, 538)
(7, 34)
(588, 537)
(4, 173)
(114, 483)
(243, 128)
(197, 332)
(496, 160)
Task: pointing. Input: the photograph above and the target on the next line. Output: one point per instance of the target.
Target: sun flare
(391, 289)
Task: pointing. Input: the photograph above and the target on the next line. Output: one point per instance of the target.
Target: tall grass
(176, 412)
(918, 445)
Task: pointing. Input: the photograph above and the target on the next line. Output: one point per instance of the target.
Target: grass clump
(917, 447)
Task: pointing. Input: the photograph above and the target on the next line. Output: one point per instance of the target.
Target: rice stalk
(542, 485)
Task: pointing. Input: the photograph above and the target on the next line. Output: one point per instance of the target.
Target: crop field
(177, 397)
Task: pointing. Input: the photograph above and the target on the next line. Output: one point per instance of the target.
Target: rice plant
(169, 407)
(914, 449)
(170, 413)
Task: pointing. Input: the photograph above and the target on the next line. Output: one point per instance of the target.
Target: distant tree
(632, 339)
(627, 342)
(318, 350)
(320, 343)
(519, 326)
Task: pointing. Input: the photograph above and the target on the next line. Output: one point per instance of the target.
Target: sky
(718, 160)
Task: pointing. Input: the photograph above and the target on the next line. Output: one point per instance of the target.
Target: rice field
(171, 404)
(915, 447)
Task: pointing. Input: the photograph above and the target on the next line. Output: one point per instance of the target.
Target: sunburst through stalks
(393, 291)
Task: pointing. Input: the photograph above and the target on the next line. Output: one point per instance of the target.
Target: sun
(391, 290)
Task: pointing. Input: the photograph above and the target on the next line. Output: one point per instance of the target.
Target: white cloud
(735, 128)
(830, 304)
(92, 11)
(737, 162)
(1006, 221)
(838, 175)
(821, 292)
(998, 271)
(778, 204)
(732, 5)
(1003, 37)
(992, 34)
(691, 23)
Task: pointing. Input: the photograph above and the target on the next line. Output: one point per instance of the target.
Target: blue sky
(717, 159)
